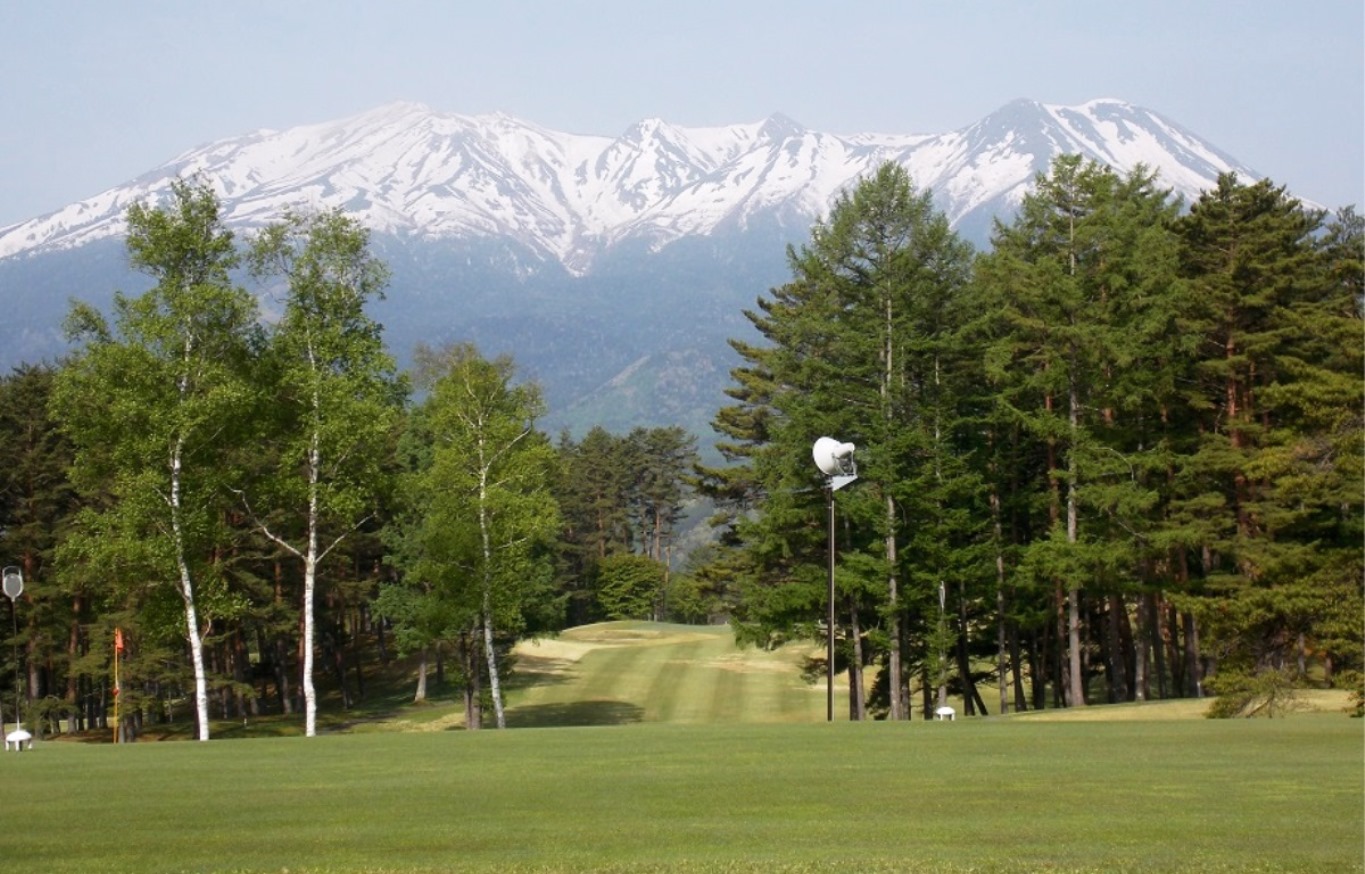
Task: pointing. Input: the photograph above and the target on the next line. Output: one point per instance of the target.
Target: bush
(1268, 694)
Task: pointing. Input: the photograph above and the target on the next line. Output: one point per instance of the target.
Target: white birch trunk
(192, 635)
(201, 688)
(310, 575)
(495, 687)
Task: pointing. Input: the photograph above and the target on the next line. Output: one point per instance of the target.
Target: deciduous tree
(152, 405)
(333, 397)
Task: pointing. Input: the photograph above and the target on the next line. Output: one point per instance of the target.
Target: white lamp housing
(834, 458)
(13, 583)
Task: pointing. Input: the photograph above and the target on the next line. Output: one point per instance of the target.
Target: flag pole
(118, 648)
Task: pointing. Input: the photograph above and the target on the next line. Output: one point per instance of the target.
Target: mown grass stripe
(676, 688)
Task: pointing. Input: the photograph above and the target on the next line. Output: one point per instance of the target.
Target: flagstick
(118, 647)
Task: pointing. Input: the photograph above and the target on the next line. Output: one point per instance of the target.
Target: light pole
(13, 588)
(835, 461)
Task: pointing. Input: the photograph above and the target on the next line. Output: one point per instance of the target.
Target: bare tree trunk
(310, 695)
(1174, 652)
(1192, 667)
(897, 702)
(73, 646)
(1073, 627)
(1000, 622)
(893, 656)
(1016, 672)
(1142, 648)
(1062, 692)
(173, 500)
(489, 652)
(1127, 650)
(926, 692)
(942, 700)
(857, 697)
(487, 544)
(421, 693)
(473, 688)
(192, 633)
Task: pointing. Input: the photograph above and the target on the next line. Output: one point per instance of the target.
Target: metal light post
(835, 461)
(13, 588)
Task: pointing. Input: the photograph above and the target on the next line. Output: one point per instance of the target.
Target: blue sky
(93, 93)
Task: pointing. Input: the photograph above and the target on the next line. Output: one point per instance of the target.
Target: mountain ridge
(405, 169)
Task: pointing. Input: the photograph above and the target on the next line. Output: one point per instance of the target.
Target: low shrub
(1268, 694)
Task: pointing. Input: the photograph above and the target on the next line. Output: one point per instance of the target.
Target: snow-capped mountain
(406, 170)
(613, 269)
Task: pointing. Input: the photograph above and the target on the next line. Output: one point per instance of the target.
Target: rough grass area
(981, 795)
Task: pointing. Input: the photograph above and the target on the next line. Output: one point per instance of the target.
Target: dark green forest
(1117, 456)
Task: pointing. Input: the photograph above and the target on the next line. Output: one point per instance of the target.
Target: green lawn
(982, 795)
(647, 748)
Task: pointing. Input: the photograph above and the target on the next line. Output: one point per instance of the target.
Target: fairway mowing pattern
(653, 672)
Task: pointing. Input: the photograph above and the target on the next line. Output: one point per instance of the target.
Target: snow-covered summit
(405, 169)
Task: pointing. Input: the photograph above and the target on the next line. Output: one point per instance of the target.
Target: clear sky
(94, 93)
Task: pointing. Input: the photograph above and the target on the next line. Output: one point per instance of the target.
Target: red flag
(118, 640)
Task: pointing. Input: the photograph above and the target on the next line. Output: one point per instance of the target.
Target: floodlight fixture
(14, 583)
(834, 458)
(14, 587)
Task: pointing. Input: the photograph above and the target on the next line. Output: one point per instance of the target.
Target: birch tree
(151, 404)
(334, 399)
(492, 520)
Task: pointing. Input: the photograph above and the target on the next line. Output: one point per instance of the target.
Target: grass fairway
(620, 672)
(676, 773)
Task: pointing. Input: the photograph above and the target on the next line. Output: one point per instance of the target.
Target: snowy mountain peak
(403, 168)
(779, 128)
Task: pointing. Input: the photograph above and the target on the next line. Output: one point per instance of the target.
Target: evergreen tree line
(1115, 457)
(223, 495)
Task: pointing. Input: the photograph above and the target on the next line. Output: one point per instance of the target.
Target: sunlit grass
(665, 748)
(983, 795)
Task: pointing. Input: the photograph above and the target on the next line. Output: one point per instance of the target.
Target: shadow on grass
(574, 713)
(529, 676)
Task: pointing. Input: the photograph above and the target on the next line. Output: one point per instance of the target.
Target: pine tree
(1276, 392)
(1073, 286)
(852, 342)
